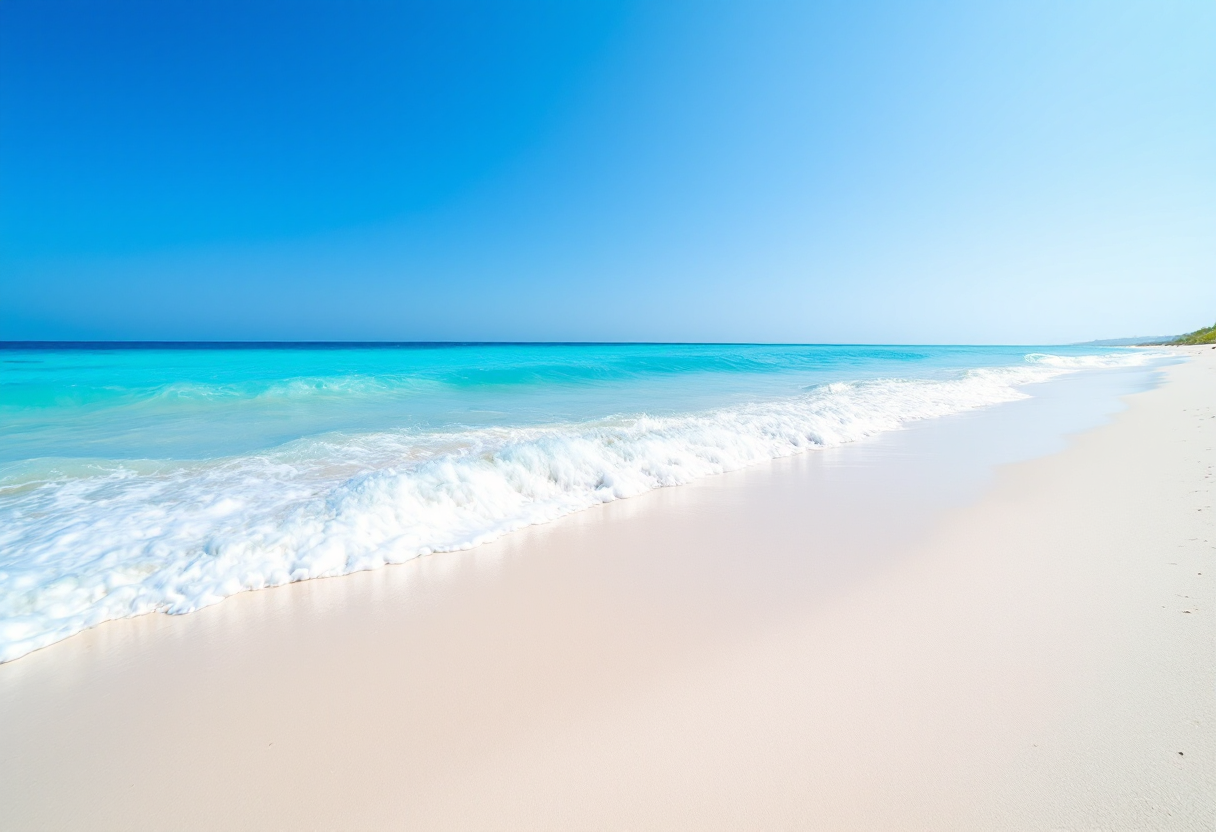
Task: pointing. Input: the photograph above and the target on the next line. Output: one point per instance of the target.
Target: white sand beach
(886, 636)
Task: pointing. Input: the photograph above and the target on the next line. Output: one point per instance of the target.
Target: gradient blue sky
(826, 172)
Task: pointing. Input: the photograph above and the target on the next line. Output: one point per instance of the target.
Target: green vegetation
(1207, 335)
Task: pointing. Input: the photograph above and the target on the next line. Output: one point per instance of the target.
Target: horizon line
(268, 344)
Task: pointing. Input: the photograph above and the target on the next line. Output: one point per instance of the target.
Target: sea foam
(118, 539)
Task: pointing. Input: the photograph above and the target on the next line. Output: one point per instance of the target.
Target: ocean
(144, 478)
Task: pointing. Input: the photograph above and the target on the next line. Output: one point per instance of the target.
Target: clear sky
(942, 172)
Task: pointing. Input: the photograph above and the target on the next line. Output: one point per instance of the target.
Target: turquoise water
(165, 479)
(208, 402)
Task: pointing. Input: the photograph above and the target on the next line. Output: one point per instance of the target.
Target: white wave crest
(123, 541)
(1130, 358)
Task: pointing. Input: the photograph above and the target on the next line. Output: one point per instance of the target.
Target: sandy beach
(890, 635)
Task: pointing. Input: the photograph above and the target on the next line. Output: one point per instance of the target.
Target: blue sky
(836, 172)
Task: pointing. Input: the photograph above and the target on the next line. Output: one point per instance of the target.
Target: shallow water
(136, 480)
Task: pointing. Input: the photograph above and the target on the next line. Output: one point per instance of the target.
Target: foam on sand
(119, 539)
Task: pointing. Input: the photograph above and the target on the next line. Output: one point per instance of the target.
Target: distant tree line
(1207, 335)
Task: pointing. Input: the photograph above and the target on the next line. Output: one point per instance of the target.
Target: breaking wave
(99, 541)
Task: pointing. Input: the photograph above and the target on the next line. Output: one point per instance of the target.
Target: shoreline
(90, 541)
(893, 677)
